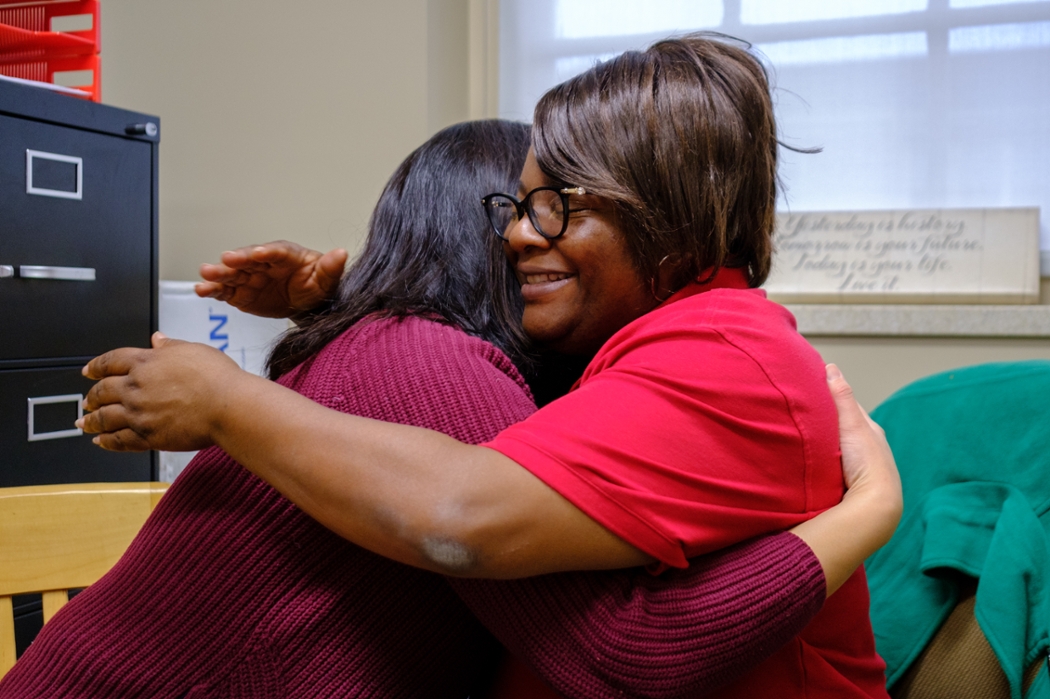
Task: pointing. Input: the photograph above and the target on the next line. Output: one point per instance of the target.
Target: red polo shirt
(705, 422)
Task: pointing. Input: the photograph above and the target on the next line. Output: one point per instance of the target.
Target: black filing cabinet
(78, 274)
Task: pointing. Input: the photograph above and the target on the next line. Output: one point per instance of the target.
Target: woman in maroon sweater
(274, 662)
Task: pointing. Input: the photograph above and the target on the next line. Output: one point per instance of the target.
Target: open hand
(160, 398)
(843, 536)
(867, 460)
(274, 280)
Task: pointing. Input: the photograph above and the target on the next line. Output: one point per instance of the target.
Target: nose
(521, 236)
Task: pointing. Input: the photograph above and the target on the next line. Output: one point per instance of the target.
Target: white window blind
(916, 103)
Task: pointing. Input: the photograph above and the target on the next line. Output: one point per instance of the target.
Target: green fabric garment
(973, 447)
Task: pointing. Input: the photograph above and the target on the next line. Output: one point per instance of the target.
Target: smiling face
(580, 288)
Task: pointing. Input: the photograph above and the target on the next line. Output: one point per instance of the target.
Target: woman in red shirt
(639, 233)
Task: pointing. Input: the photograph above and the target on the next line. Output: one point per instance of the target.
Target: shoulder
(417, 371)
(725, 311)
(417, 339)
(711, 333)
(738, 356)
(736, 340)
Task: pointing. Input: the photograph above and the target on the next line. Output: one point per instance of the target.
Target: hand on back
(274, 280)
(867, 461)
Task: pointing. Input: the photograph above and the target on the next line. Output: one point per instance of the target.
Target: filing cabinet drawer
(75, 240)
(38, 441)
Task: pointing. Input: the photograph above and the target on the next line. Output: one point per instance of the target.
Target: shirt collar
(726, 278)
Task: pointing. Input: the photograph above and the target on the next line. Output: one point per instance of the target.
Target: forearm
(380, 485)
(407, 493)
(628, 633)
(844, 536)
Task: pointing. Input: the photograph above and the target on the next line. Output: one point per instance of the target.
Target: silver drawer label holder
(43, 191)
(75, 274)
(35, 436)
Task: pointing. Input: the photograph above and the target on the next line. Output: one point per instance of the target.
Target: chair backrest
(973, 450)
(54, 538)
(959, 663)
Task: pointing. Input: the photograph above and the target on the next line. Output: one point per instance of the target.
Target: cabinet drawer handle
(35, 188)
(35, 436)
(6, 271)
(75, 274)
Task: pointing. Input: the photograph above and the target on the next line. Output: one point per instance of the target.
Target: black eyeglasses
(547, 208)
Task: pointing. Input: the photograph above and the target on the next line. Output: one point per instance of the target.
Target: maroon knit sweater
(231, 591)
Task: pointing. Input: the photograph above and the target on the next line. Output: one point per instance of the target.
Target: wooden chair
(54, 538)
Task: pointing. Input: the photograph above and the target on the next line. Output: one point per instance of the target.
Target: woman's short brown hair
(681, 138)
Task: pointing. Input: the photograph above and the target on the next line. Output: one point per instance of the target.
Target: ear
(669, 275)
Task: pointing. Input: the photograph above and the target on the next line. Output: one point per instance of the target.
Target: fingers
(252, 254)
(280, 252)
(214, 290)
(124, 440)
(851, 415)
(110, 423)
(218, 273)
(237, 266)
(273, 280)
(207, 289)
(866, 455)
(116, 362)
(110, 390)
(237, 290)
(242, 266)
(330, 267)
(846, 402)
(104, 418)
(225, 274)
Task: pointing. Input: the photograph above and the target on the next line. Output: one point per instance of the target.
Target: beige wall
(878, 366)
(281, 119)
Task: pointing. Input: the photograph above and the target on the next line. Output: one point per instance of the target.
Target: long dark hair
(681, 138)
(430, 251)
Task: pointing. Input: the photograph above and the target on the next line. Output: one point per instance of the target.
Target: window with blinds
(916, 103)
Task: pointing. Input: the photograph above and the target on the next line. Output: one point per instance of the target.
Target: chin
(544, 334)
(560, 343)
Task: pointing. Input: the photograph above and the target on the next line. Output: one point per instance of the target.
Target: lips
(548, 277)
(538, 284)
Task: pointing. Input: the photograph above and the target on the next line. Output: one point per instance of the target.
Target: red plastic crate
(30, 50)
